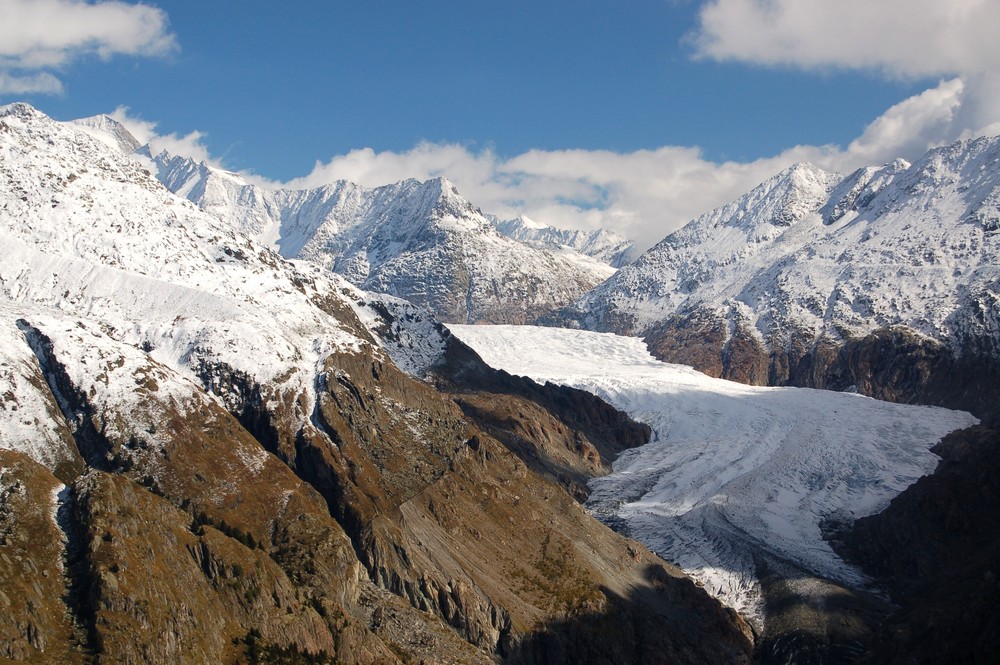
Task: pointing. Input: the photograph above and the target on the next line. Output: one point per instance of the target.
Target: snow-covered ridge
(810, 253)
(732, 470)
(87, 235)
(417, 240)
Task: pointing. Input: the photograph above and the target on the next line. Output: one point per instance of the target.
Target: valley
(379, 425)
(733, 473)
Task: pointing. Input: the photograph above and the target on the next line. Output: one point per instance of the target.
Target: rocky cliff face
(207, 456)
(936, 548)
(893, 363)
(816, 279)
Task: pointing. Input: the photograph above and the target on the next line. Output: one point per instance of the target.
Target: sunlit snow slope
(421, 241)
(732, 469)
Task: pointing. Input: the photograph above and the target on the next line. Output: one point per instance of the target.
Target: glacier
(733, 472)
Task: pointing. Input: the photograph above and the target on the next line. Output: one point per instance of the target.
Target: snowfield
(731, 469)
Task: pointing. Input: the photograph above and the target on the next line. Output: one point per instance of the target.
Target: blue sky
(635, 114)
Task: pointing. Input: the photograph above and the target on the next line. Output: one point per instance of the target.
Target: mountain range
(207, 454)
(420, 241)
(601, 244)
(234, 428)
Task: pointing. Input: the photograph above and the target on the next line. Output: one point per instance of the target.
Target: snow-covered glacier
(733, 471)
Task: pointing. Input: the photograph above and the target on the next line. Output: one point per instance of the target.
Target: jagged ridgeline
(417, 240)
(208, 456)
(886, 280)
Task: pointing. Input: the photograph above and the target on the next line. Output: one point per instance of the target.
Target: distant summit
(109, 131)
(601, 244)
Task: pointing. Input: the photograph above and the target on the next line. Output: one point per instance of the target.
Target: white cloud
(913, 38)
(912, 126)
(40, 35)
(30, 84)
(902, 38)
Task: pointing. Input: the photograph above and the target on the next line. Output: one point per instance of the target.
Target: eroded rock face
(36, 624)
(393, 484)
(162, 590)
(894, 364)
(427, 498)
(936, 547)
(566, 435)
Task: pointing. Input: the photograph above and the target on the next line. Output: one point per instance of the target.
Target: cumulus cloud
(913, 38)
(30, 84)
(901, 38)
(37, 36)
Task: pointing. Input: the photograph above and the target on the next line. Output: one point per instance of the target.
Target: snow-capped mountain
(420, 241)
(89, 232)
(203, 439)
(602, 244)
(772, 287)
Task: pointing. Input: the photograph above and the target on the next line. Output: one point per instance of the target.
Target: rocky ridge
(602, 244)
(936, 548)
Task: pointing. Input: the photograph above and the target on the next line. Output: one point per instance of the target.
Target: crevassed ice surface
(731, 469)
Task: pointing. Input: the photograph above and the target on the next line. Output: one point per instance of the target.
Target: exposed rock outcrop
(936, 547)
(894, 364)
(36, 622)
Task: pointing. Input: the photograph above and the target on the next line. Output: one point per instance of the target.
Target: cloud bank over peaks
(191, 145)
(37, 36)
(643, 195)
(646, 194)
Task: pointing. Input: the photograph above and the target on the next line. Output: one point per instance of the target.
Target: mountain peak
(21, 110)
(420, 240)
(810, 258)
(600, 244)
(110, 131)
